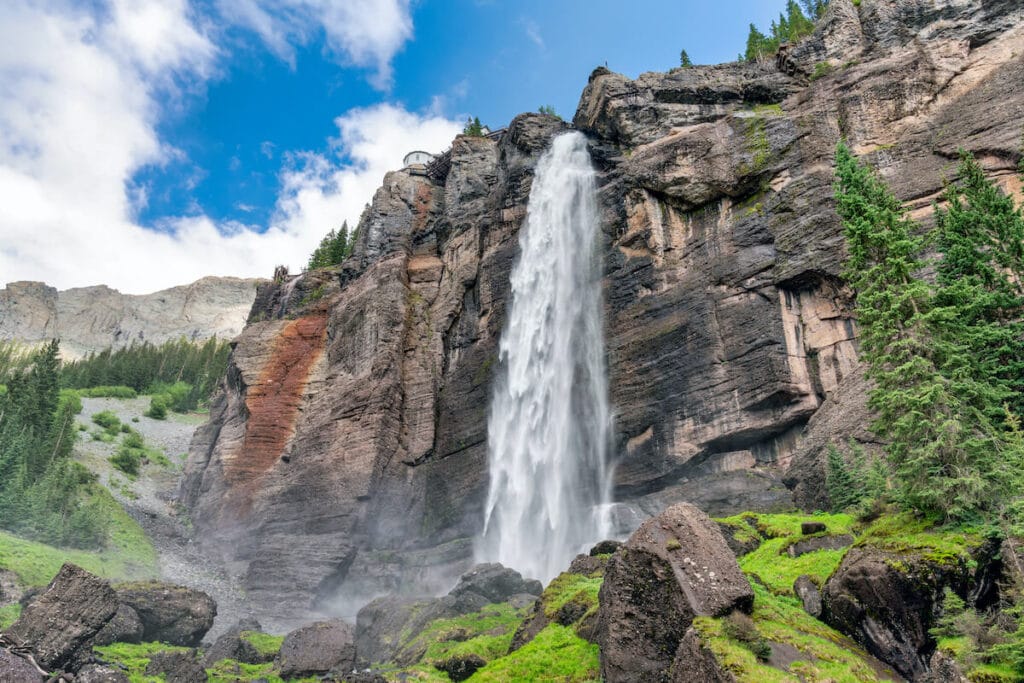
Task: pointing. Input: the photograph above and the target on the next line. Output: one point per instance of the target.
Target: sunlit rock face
(88, 319)
(361, 467)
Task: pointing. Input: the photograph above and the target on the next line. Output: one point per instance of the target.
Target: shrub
(106, 419)
(127, 460)
(157, 408)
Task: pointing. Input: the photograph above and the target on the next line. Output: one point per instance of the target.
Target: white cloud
(361, 32)
(81, 94)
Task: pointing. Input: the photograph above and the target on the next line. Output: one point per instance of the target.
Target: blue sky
(154, 141)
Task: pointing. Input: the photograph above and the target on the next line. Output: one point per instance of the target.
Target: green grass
(9, 614)
(266, 645)
(829, 656)
(556, 654)
(128, 555)
(135, 657)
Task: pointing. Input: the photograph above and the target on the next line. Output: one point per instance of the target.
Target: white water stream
(549, 422)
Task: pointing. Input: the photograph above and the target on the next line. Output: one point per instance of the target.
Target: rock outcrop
(88, 319)
(675, 567)
(171, 614)
(59, 626)
(317, 648)
(346, 454)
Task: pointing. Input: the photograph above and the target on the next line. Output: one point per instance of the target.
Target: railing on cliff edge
(439, 166)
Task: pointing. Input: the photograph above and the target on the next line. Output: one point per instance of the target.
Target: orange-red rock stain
(273, 405)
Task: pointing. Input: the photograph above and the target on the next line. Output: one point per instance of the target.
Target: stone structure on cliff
(88, 319)
(345, 456)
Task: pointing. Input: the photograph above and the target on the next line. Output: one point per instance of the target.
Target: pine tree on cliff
(980, 235)
(946, 454)
(333, 249)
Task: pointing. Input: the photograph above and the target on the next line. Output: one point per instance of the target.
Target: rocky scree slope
(346, 456)
(88, 319)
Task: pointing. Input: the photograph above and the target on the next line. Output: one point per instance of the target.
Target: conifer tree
(684, 60)
(946, 454)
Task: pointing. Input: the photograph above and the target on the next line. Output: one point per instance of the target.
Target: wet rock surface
(177, 667)
(318, 648)
(675, 567)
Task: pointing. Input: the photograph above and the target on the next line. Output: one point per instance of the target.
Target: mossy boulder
(889, 587)
(674, 568)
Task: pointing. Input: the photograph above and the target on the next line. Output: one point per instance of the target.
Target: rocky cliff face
(88, 319)
(346, 455)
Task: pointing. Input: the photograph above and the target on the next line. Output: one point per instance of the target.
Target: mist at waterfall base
(549, 422)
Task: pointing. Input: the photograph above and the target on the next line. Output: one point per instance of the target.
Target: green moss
(827, 655)
(743, 531)
(556, 654)
(135, 657)
(993, 673)
(821, 69)
(904, 533)
(9, 614)
(487, 633)
(230, 671)
(767, 109)
(266, 645)
(756, 136)
(566, 588)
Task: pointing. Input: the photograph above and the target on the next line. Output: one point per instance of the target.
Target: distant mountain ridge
(88, 319)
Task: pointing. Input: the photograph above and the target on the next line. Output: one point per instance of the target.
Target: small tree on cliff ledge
(948, 457)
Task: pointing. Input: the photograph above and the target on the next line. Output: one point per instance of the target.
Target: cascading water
(549, 421)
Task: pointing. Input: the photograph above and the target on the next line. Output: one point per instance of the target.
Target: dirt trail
(150, 498)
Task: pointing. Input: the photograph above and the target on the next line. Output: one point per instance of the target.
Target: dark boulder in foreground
(316, 649)
(170, 614)
(233, 644)
(461, 667)
(495, 583)
(675, 567)
(60, 624)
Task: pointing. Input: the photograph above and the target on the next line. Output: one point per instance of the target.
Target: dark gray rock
(317, 648)
(809, 593)
(60, 624)
(233, 644)
(694, 662)
(520, 600)
(98, 673)
(675, 567)
(495, 583)
(17, 669)
(125, 627)
(177, 667)
(587, 564)
(170, 614)
(810, 545)
(605, 548)
(808, 528)
(461, 667)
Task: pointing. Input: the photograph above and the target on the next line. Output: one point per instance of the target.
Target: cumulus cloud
(360, 32)
(81, 93)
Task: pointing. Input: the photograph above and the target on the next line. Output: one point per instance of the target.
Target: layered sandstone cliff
(346, 454)
(88, 319)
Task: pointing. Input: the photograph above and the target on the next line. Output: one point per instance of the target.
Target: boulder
(125, 627)
(605, 548)
(461, 667)
(495, 583)
(170, 614)
(60, 624)
(98, 673)
(14, 668)
(694, 662)
(809, 593)
(379, 625)
(887, 600)
(944, 669)
(177, 667)
(675, 567)
(317, 648)
(808, 528)
(233, 644)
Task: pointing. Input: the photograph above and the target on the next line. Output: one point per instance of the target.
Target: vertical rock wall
(731, 341)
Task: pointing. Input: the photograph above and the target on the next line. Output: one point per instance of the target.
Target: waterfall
(548, 428)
